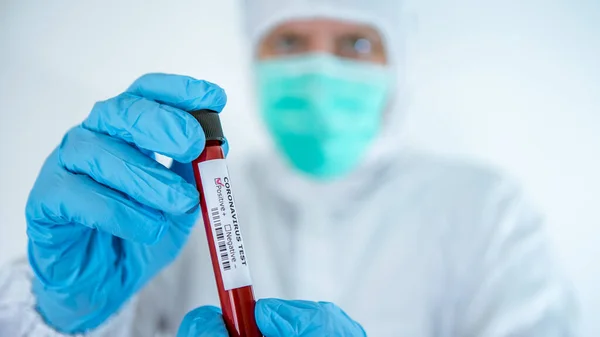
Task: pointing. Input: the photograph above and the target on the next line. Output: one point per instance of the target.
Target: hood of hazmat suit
(387, 17)
(407, 244)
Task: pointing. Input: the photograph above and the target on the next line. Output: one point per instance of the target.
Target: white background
(515, 83)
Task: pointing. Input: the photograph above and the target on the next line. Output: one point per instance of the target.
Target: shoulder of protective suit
(456, 181)
(471, 202)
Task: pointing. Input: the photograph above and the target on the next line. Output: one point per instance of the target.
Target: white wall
(513, 82)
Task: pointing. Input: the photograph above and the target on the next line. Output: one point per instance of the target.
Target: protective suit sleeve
(511, 284)
(19, 318)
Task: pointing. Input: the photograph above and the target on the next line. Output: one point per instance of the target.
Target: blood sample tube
(223, 231)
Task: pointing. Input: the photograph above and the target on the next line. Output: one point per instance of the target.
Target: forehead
(322, 26)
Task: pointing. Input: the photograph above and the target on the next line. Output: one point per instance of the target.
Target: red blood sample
(222, 231)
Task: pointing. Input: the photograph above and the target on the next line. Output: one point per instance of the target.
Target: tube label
(224, 223)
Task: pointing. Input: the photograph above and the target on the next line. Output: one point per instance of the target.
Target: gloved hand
(277, 318)
(104, 217)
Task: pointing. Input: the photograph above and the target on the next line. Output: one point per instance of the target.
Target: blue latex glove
(104, 217)
(203, 322)
(277, 318)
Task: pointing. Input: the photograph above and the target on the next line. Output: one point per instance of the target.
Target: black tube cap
(211, 124)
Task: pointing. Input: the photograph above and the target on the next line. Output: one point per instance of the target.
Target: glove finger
(60, 197)
(122, 167)
(148, 125)
(276, 318)
(186, 171)
(225, 147)
(183, 92)
(203, 321)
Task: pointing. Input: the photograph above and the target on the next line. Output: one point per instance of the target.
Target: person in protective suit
(339, 211)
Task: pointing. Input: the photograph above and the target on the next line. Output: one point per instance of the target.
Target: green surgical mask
(322, 111)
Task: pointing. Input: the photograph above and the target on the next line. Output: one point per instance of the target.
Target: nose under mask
(323, 112)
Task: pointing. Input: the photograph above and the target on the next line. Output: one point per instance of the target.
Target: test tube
(223, 232)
